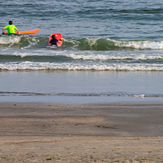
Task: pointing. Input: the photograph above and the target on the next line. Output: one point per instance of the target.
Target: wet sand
(112, 132)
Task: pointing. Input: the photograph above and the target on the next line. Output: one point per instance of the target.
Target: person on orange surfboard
(10, 28)
(54, 41)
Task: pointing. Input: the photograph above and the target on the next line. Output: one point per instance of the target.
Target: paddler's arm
(60, 40)
(18, 31)
(3, 30)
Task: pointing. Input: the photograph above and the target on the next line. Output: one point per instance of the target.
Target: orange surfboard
(58, 37)
(26, 32)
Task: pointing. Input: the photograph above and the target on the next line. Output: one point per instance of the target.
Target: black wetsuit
(54, 42)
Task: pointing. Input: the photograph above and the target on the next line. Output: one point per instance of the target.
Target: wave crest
(95, 44)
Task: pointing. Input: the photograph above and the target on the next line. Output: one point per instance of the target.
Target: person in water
(54, 41)
(10, 29)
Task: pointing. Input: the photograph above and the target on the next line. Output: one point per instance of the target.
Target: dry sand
(114, 132)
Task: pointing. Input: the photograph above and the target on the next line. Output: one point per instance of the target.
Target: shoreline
(101, 132)
(78, 100)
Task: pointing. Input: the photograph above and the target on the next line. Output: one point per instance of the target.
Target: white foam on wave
(110, 56)
(28, 65)
(32, 41)
(9, 40)
(92, 41)
(136, 44)
(27, 52)
(154, 45)
(86, 55)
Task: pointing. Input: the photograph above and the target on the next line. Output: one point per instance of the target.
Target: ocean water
(112, 51)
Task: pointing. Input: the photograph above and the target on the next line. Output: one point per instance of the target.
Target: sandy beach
(112, 132)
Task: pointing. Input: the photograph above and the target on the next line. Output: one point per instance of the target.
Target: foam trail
(27, 65)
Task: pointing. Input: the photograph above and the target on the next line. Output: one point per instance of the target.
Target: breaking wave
(96, 44)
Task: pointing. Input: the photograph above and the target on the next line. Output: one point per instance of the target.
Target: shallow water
(80, 87)
(110, 49)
